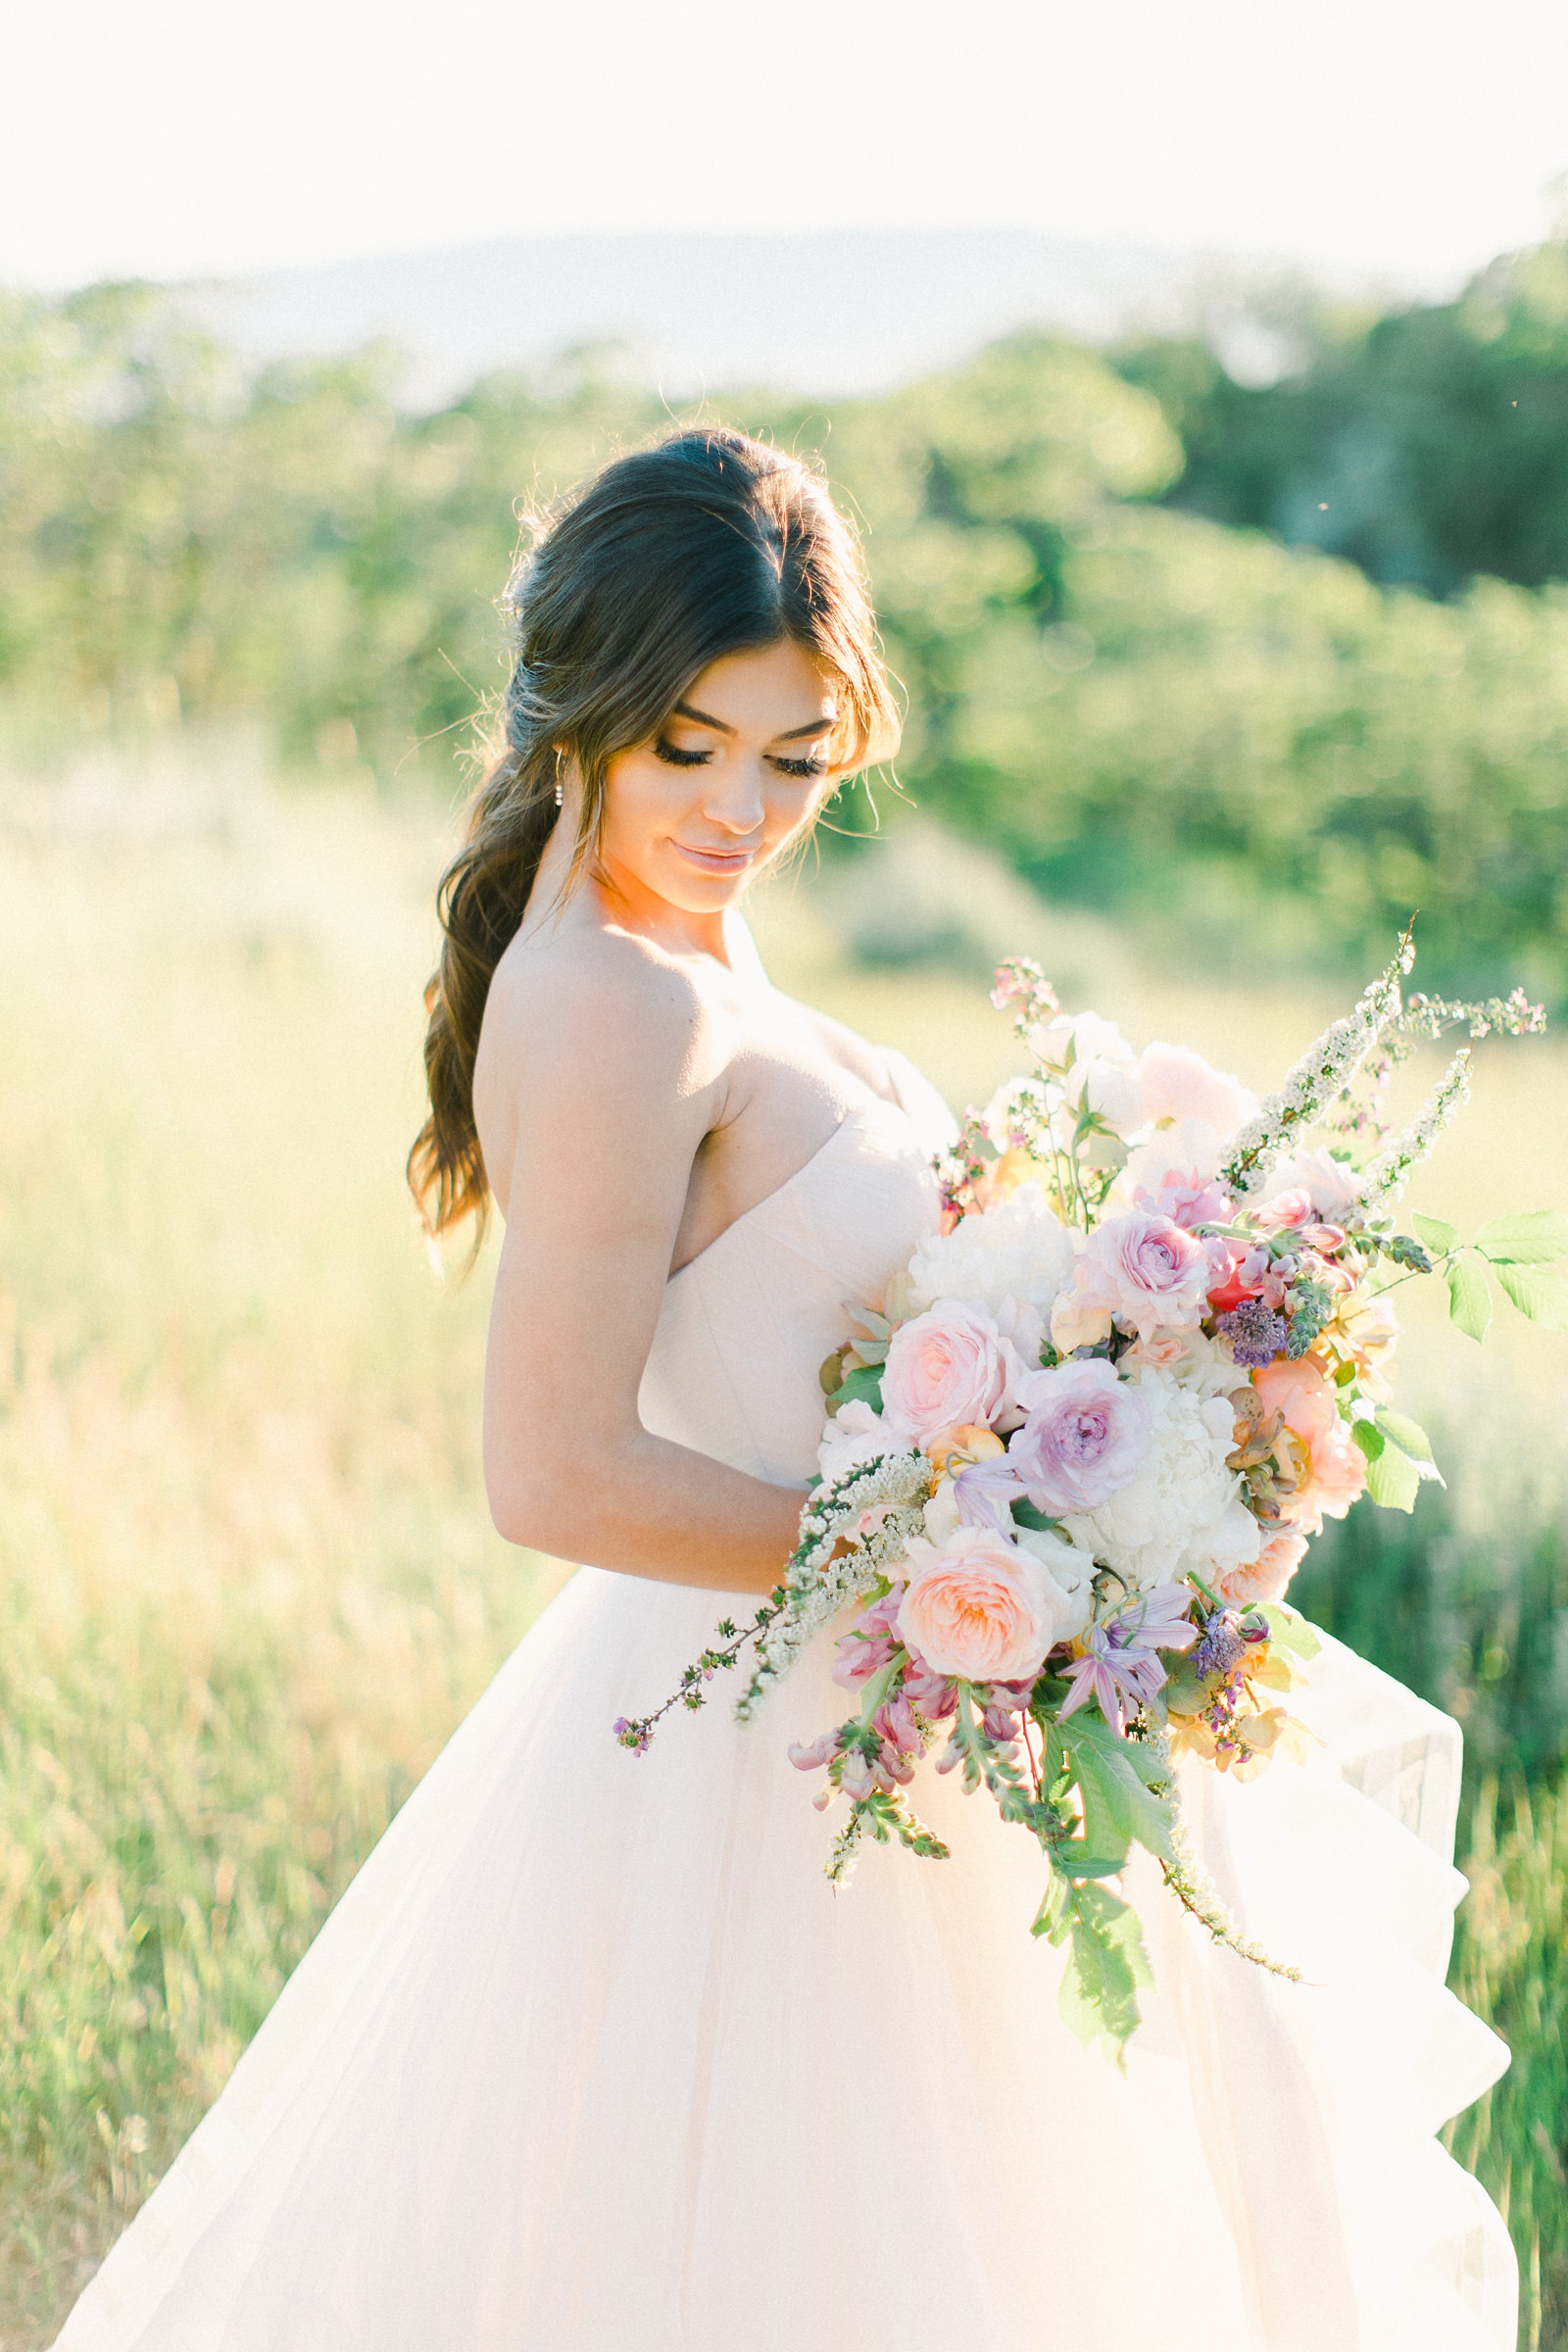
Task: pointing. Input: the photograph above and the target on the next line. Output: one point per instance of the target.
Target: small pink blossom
(946, 1368)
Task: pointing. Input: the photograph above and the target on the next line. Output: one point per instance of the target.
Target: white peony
(1072, 1568)
(854, 1434)
(940, 1512)
(1016, 1251)
(1183, 1508)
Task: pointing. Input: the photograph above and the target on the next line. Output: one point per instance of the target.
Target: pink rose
(1177, 1084)
(978, 1608)
(1085, 1434)
(946, 1368)
(1143, 1271)
(1330, 1466)
(1285, 1212)
(1333, 1188)
(1266, 1577)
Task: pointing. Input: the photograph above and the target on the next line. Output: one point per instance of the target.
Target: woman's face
(741, 766)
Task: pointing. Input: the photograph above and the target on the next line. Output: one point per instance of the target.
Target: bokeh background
(1200, 393)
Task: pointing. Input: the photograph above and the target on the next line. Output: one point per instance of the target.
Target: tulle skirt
(591, 2055)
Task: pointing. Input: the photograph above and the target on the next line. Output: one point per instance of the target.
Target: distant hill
(830, 312)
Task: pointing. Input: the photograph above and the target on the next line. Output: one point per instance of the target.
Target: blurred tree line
(1143, 706)
(1428, 445)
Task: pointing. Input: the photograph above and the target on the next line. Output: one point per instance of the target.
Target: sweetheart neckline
(856, 1110)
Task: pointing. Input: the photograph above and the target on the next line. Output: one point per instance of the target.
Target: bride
(590, 2056)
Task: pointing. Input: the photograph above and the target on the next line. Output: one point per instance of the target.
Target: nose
(734, 798)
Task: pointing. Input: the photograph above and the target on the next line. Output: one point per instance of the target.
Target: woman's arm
(612, 1074)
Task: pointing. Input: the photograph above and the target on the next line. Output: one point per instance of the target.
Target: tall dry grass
(247, 1581)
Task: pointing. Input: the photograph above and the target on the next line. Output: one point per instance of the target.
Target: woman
(590, 2055)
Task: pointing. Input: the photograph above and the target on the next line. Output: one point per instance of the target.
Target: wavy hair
(665, 560)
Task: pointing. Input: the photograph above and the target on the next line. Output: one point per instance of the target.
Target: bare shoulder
(867, 1062)
(590, 1025)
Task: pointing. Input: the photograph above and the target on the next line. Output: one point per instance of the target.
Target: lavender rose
(1141, 1271)
(1084, 1435)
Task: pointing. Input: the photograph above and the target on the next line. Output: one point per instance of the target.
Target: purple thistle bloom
(1221, 1645)
(1255, 1333)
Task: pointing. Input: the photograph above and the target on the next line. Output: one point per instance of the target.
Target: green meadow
(247, 1580)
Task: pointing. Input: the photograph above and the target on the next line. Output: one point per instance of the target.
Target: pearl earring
(560, 796)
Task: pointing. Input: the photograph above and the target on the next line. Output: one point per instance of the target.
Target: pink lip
(716, 862)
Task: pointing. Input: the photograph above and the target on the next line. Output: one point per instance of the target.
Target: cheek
(788, 809)
(644, 798)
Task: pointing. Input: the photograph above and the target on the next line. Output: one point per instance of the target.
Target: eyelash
(673, 756)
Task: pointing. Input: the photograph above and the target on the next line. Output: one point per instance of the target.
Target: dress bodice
(746, 1325)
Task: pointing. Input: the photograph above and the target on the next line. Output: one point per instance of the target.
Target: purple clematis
(1121, 1666)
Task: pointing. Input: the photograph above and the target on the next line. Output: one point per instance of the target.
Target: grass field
(247, 1582)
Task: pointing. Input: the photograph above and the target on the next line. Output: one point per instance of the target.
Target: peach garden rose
(978, 1608)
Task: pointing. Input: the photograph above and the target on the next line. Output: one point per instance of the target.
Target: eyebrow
(814, 726)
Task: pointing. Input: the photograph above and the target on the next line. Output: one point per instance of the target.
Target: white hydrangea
(1017, 1250)
(1183, 1509)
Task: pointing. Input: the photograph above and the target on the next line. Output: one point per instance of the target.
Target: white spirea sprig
(817, 1586)
(1324, 1070)
(1194, 1888)
(1391, 1170)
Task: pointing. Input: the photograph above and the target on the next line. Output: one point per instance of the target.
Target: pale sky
(179, 137)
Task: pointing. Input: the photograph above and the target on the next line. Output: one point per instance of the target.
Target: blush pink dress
(590, 2056)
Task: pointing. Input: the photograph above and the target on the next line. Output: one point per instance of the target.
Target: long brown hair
(665, 560)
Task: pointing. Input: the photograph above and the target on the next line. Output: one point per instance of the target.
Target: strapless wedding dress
(590, 2056)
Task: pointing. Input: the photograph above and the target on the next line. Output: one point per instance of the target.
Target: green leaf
(1409, 1436)
(1119, 1807)
(1437, 1234)
(1053, 1905)
(1369, 1438)
(1289, 1630)
(1469, 1299)
(862, 1387)
(1394, 1479)
(1024, 1514)
(1539, 1239)
(1543, 1298)
(1107, 1966)
(1077, 1859)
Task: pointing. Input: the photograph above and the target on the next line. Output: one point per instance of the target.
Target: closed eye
(673, 756)
(802, 767)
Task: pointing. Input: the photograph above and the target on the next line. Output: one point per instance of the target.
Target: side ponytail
(670, 559)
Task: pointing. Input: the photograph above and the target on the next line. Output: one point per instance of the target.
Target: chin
(706, 893)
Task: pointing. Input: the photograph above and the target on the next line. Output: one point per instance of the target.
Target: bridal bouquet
(1071, 1465)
